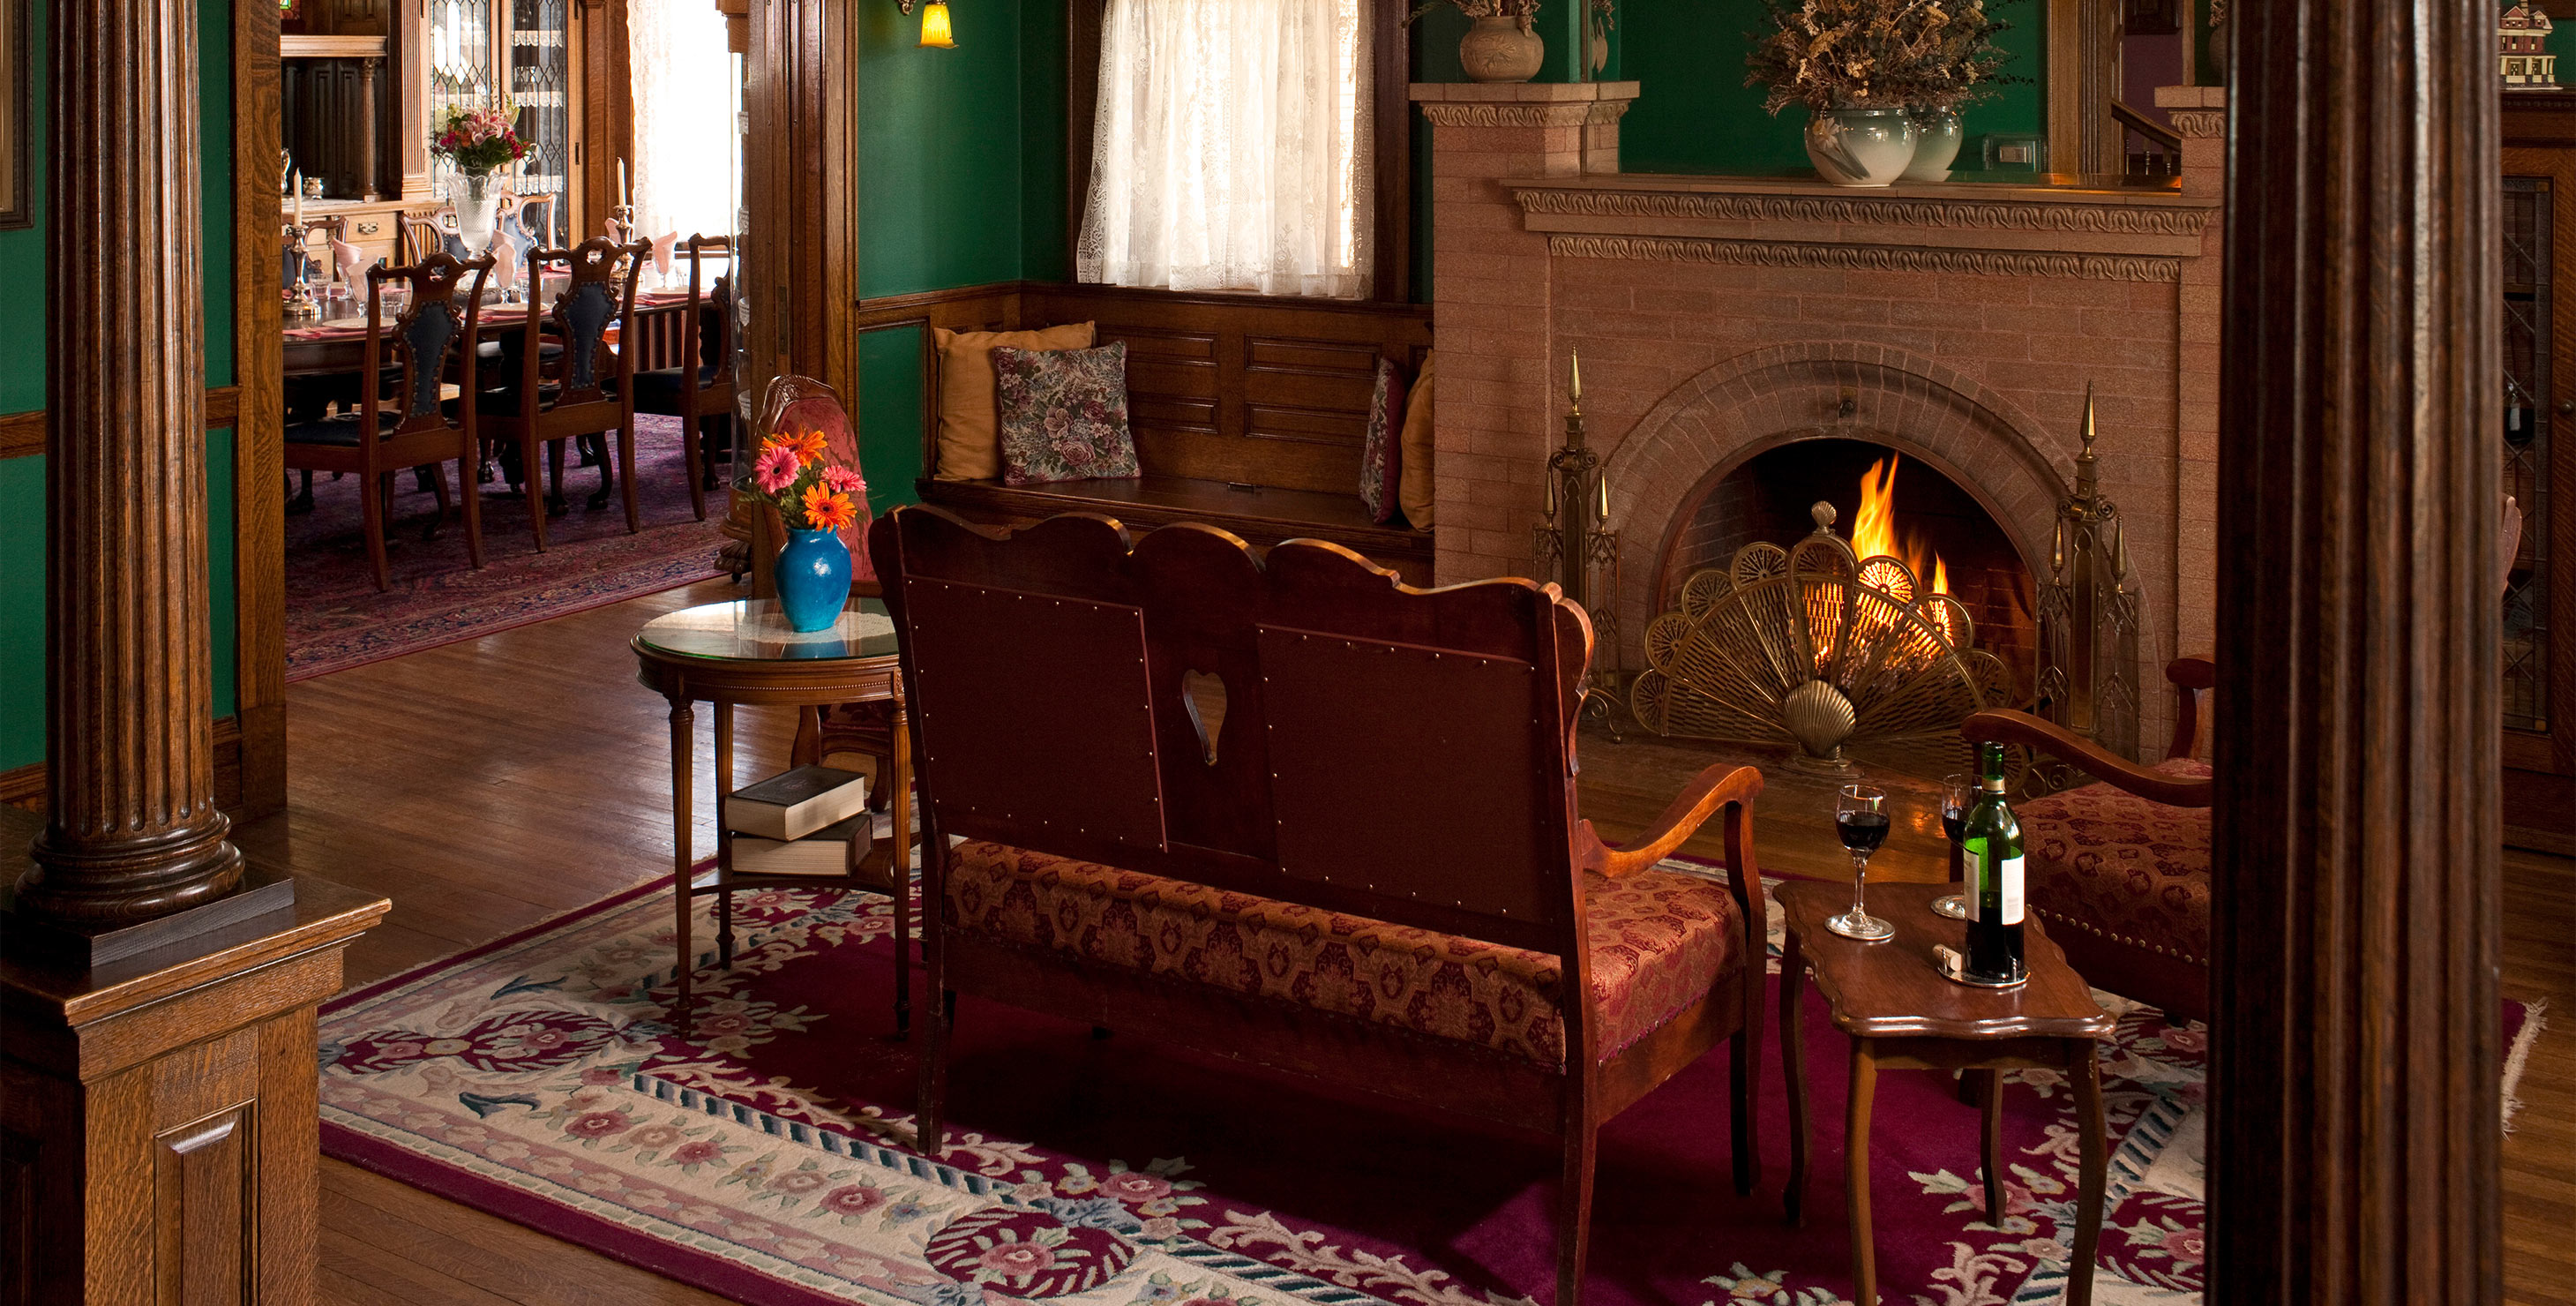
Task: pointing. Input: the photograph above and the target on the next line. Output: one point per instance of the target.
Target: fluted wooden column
(132, 830)
(2354, 1072)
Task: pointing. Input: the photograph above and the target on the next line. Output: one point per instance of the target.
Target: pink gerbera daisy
(841, 480)
(776, 469)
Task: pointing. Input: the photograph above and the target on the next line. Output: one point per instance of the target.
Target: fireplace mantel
(2065, 228)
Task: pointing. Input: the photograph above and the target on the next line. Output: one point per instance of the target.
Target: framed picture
(17, 202)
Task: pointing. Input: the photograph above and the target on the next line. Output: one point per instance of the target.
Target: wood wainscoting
(1249, 411)
(24, 787)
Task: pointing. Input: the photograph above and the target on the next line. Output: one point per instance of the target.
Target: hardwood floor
(489, 785)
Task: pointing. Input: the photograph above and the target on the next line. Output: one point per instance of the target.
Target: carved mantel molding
(2042, 231)
(1867, 258)
(1524, 115)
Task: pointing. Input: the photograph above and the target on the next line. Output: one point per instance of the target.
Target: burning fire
(1874, 528)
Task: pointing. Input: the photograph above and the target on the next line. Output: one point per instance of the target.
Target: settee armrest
(1718, 786)
(2003, 726)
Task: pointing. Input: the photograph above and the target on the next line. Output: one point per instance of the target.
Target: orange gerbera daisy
(808, 445)
(826, 511)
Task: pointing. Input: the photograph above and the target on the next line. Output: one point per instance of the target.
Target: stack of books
(799, 822)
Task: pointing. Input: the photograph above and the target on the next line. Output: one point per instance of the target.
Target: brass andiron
(1575, 540)
(2088, 616)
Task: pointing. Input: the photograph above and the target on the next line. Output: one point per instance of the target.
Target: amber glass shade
(934, 26)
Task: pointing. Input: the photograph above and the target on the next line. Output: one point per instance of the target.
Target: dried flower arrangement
(1875, 54)
(1524, 10)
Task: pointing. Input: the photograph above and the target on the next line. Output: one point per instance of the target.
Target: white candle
(299, 202)
(1575, 390)
(621, 184)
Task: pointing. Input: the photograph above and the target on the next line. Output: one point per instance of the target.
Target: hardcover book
(796, 803)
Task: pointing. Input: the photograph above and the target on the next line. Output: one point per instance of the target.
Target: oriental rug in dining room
(762, 1152)
(336, 618)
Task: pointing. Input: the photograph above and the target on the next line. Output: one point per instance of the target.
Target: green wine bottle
(1990, 839)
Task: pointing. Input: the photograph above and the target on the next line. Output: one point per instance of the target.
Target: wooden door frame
(800, 193)
(259, 454)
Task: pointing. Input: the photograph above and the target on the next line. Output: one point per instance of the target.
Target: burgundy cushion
(1659, 942)
(2107, 861)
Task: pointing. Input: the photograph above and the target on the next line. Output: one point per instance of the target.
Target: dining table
(335, 342)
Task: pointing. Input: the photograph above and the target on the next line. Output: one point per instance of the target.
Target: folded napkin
(353, 265)
(505, 260)
(662, 247)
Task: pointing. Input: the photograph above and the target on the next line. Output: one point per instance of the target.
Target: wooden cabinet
(2537, 445)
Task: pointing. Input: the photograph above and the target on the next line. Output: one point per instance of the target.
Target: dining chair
(585, 389)
(701, 396)
(419, 233)
(383, 432)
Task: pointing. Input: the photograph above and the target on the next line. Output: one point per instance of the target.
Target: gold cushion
(1413, 488)
(970, 441)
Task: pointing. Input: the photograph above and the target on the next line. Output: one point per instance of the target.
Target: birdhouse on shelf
(2522, 47)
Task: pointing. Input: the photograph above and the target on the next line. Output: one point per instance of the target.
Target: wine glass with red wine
(1860, 817)
(1957, 792)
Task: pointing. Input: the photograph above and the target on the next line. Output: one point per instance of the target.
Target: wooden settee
(1367, 868)
(1248, 411)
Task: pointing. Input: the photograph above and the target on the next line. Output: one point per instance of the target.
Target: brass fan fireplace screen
(1844, 657)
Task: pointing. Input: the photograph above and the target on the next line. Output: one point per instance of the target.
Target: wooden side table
(744, 653)
(1903, 1015)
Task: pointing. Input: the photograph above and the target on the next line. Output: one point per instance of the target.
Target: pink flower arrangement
(478, 141)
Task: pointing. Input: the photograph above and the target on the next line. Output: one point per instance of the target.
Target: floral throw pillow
(1382, 454)
(1063, 414)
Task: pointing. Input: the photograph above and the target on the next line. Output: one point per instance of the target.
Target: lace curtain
(1232, 150)
(684, 82)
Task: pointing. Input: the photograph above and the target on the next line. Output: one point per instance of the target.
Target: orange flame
(1874, 529)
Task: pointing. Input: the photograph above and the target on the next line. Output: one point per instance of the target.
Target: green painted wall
(961, 183)
(1695, 114)
(22, 387)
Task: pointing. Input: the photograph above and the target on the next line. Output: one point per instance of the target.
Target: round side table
(743, 653)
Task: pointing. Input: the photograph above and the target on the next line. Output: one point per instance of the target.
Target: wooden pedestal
(158, 1116)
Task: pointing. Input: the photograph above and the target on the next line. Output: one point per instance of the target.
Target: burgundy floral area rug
(336, 618)
(762, 1152)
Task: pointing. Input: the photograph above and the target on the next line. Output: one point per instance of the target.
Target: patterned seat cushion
(1659, 941)
(2112, 862)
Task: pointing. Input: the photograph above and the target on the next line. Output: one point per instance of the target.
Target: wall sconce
(935, 32)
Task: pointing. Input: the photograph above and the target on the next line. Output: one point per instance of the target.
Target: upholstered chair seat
(340, 429)
(1659, 942)
(2124, 881)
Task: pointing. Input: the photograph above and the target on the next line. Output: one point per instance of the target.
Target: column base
(261, 894)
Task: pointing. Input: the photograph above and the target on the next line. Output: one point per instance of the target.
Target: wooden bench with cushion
(1366, 866)
(1248, 414)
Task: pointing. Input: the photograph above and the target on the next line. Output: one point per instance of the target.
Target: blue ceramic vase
(813, 579)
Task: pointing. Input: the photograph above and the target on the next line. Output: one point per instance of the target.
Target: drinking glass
(1958, 790)
(1860, 817)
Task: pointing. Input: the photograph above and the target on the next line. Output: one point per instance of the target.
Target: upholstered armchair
(2120, 868)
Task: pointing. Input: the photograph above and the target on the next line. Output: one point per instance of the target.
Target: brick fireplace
(1719, 318)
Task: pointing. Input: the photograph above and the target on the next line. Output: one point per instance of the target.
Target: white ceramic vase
(1860, 147)
(1936, 144)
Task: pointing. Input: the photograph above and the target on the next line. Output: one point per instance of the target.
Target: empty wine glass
(1861, 819)
(1958, 789)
